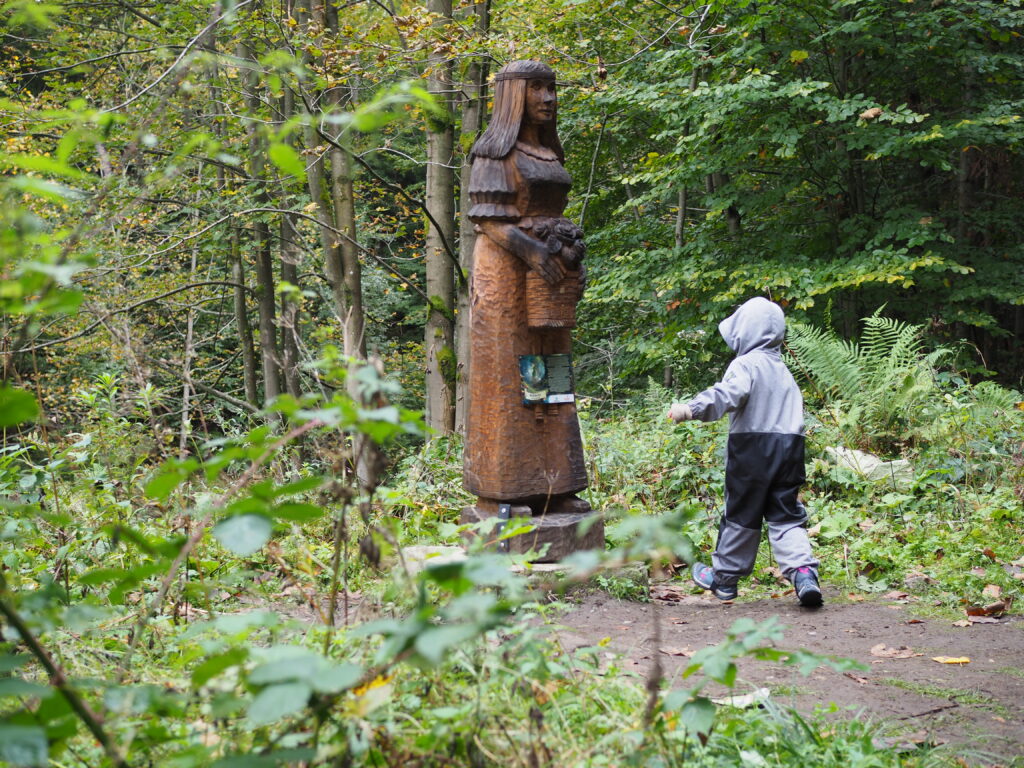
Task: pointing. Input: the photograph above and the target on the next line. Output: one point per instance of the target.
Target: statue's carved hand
(572, 254)
(546, 265)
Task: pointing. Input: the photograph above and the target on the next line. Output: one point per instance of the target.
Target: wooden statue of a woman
(523, 452)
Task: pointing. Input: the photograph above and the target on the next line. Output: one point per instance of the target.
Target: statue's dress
(515, 451)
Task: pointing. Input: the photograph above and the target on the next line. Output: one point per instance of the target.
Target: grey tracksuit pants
(763, 476)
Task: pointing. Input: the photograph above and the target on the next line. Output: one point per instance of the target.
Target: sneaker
(807, 590)
(704, 577)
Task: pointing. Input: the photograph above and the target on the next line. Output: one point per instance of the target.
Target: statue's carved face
(541, 100)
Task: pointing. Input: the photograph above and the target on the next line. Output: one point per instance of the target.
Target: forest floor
(976, 708)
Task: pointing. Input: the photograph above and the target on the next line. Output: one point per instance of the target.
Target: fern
(875, 386)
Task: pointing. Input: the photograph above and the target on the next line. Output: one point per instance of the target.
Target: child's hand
(679, 412)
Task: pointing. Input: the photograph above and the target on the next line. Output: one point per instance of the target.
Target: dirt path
(978, 706)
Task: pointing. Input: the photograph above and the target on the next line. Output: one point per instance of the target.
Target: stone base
(558, 529)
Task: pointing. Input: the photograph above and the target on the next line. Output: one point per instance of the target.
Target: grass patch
(963, 696)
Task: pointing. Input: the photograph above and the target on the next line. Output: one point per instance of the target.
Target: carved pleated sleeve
(492, 190)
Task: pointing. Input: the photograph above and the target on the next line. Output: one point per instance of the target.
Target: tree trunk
(290, 257)
(242, 323)
(266, 301)
(347, 272)
(439, 332)
(473, 109)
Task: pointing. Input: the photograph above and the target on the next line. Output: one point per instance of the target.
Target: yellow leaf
(951, 659)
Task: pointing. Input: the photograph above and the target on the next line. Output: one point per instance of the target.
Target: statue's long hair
(510, 109)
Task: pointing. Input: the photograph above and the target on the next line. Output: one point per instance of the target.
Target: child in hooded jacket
(764, 467)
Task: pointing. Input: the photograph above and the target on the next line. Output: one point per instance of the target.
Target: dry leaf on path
(899, 652)
(982, 620)
(895, 595)
(915, 621)
(951, 659)
(743, 701)
(992, 609)
(856, 678)
(667, 592)
(855, 598)
(670, 651)
(962, 623)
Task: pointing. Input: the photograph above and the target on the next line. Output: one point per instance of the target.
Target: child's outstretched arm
(727, 395)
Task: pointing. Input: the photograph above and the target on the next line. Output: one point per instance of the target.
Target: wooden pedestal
(559, 528)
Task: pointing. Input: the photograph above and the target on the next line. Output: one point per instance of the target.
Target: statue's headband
(538, 75)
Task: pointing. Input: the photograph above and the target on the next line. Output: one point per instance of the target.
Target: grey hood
(757, 324)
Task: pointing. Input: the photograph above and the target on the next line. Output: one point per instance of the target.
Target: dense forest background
(240, 185)
(235, 274)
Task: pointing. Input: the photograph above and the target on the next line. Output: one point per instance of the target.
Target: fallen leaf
(914, 577)
(992, 609)
(752, 699)
(854, 598)
(987, 552)
(670, 651)
(962, 623)
(667, 593)
(951, 659)
(979, 572)
(856, 678)
(895, 607)
(866, 524)
(895, 595)
(814, 531)
(680, 621)
(871, 114)
(915, 621)
(982, 620)
(992, 591)
(899, 652)
(907, 743)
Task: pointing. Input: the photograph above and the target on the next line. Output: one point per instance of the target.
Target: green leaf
(297, 511)
(43, 164)
(698, 716)
(797, 56)
(43, 188)
(10, 662)
(214, 665)
(277, 701)
(434, 643)
(170, 477)
(16, 406)
(246, 761)
(337, 678)
(23, 744)
(243, 534)
(15, 686)
(287, 159)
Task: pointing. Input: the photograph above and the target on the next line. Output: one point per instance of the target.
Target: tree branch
(92, 326)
